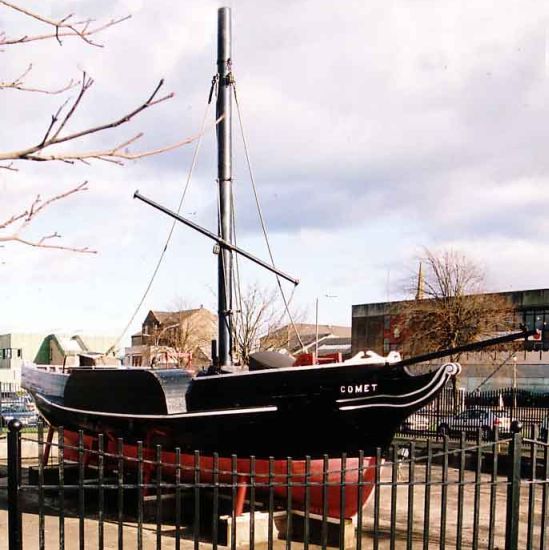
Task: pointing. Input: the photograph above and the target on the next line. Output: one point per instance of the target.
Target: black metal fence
(419, 494)
(507, 405)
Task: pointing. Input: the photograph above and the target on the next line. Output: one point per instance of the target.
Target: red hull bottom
(320, 481)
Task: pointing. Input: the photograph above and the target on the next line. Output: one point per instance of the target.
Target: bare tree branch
(13, 219)
(62, 28)
(117, 154)
(87, 82)
(258, 310)
(56, 132)
(42, 244)
(53, 134)
(31, 213)
(453, 310)
(184, 335)
(18, 84)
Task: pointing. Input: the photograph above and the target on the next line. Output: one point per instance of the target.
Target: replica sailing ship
(314, 411)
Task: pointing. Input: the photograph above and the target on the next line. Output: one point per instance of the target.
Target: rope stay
(238, 293)
(262, 219)
(172, 227)
(238, 314)
(496, 370)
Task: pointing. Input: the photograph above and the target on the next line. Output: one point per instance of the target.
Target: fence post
(513, 488)
(15, 524)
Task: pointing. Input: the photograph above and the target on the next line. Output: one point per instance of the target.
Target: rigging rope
(262, 220)
(511, 355)
(237, 338)
(219, 250)
(172, 228)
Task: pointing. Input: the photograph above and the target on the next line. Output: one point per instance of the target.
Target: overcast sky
(375, 129)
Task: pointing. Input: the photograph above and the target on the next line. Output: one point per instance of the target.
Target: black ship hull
(297, 412)
(321, 412)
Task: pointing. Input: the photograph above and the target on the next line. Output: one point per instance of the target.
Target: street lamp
(514, 383)
(156, 344)
(157, 338)
(316, 323)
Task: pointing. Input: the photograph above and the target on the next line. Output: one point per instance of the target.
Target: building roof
(69, 345)
(538, 297)
(310, 328)
(286, 338)
(306, 332)
(163, 316)
(334, 344)
(77, 344)
(335, 341)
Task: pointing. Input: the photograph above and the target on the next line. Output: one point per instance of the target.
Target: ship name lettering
(358, 388)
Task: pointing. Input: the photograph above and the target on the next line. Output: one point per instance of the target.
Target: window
(531, 319)
(11, 353)
(8, 353)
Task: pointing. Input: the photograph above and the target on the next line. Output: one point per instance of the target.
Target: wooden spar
(214, 237)
(473, 346)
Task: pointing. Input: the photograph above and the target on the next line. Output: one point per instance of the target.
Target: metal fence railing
(454, 409)
(75, 491)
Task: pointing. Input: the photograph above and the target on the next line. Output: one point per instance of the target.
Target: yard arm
(473, 346)
(221, 242)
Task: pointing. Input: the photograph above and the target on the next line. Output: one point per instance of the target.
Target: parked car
(417, 422)
(25, 415)
(471, 420)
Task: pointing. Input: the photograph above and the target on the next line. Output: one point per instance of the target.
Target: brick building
(374, 326)
(174, 338)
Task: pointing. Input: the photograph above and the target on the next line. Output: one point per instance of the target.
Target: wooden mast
(224, 178)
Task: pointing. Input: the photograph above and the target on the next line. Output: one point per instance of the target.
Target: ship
(334, 420)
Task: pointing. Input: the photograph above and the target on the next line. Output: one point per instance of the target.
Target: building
(501, 370)
(174, 338)
(375, 325)
(331, 339)
(15, 348)
(47, 349)
(79, 350)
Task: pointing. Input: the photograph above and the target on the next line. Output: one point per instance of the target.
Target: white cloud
(374, 129)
